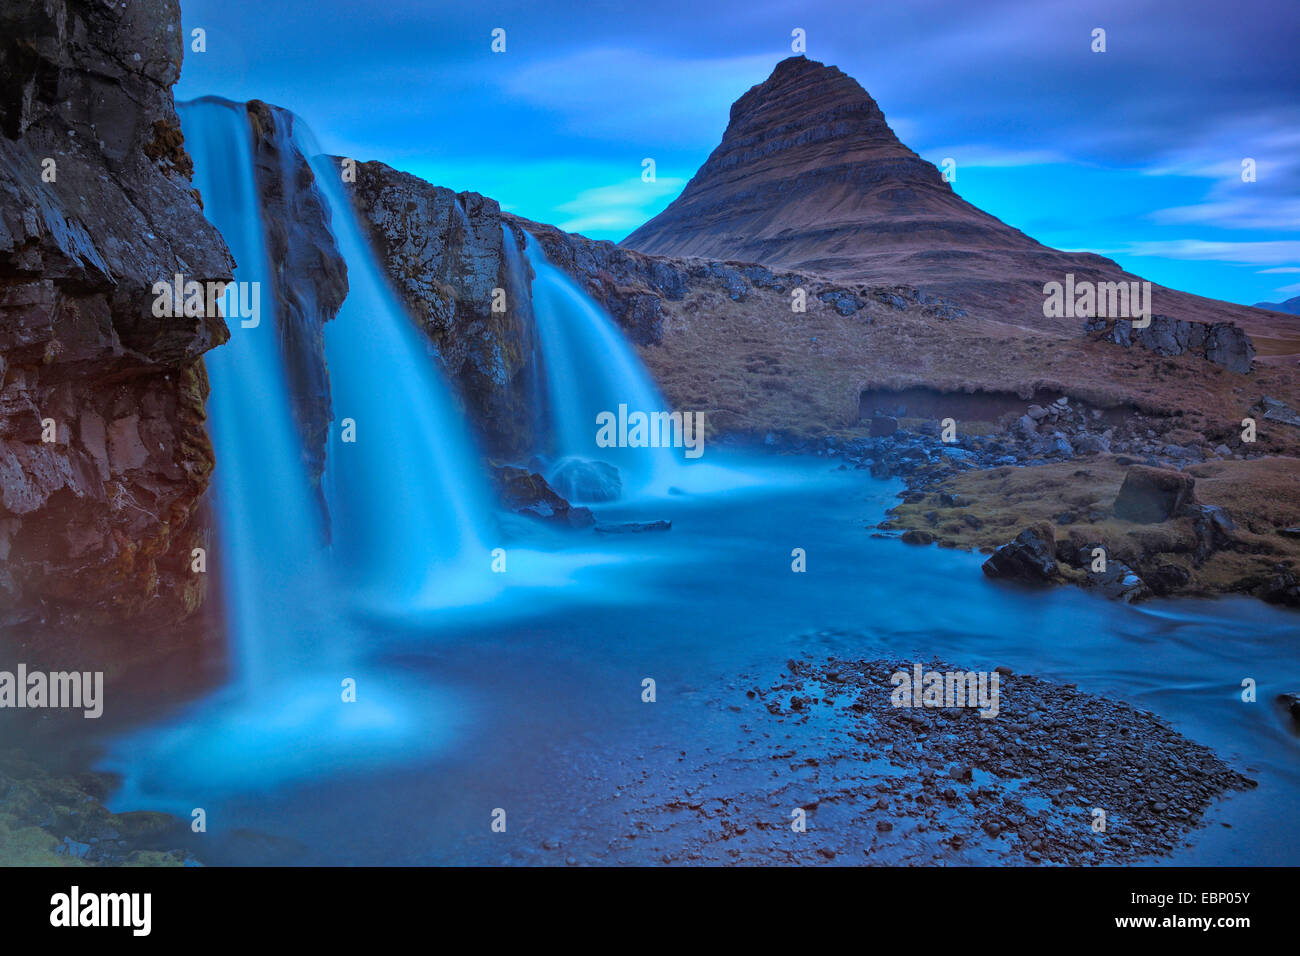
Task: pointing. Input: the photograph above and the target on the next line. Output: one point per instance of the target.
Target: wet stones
(634, 527)
(528, 493)
(1031, 557)
(1120, 583)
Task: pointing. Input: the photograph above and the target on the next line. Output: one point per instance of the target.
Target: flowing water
(403, 489)
(551, 725)
(407, 496)
(590, 369)
(522, 691)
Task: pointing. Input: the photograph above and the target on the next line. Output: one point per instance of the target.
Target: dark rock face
(526, 492)
(309, 276)
(1151, 495)
(1213, 528)
(443, 252)
(98, 525)
(1031, 557)
(1167, 578)
(1222, 343)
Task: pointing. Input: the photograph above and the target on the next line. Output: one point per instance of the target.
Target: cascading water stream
(269, 532)
(591, 368)
(406, 499)
(404, 504)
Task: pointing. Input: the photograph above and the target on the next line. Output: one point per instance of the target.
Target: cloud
(1268, 252)
(620, 207)
(1242, 212)
(985, 156)
(643, 99)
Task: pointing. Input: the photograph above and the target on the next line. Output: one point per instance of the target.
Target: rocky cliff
(810, 177)
(103, 453)
(444, 254)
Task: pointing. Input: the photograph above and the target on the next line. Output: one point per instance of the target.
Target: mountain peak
(805, 151)
(798, 77)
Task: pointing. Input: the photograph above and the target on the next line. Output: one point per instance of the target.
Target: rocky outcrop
(309, 277)
(636, 289)
(1152, 495)
(1222, 343)
(1273, 410)
(103, 453)
(443, 252)
(526, 492)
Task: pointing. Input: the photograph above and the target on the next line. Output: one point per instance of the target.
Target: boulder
(1087, 444)
(1031, 557)
(1229, 346)
(528, 493)
(882, 426)
(1213, 528)
(1272, 410)
(580, 479)
(1119, 582)
(1151, 495)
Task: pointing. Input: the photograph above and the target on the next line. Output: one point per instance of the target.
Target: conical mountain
(810, 177)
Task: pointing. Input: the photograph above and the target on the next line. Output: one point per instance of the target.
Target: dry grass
(756, 366)
(1262, 496)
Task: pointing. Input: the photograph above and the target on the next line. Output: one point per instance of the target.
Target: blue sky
(1134, 153)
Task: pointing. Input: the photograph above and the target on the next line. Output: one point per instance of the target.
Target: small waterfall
(269, 533)
(591, 368)
(406, 498)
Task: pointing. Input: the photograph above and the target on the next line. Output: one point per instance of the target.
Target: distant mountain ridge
(1290, 306)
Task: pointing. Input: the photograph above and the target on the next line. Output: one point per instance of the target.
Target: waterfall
(405, 502)
(591, 368)
(406, 498)
(269, 533)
